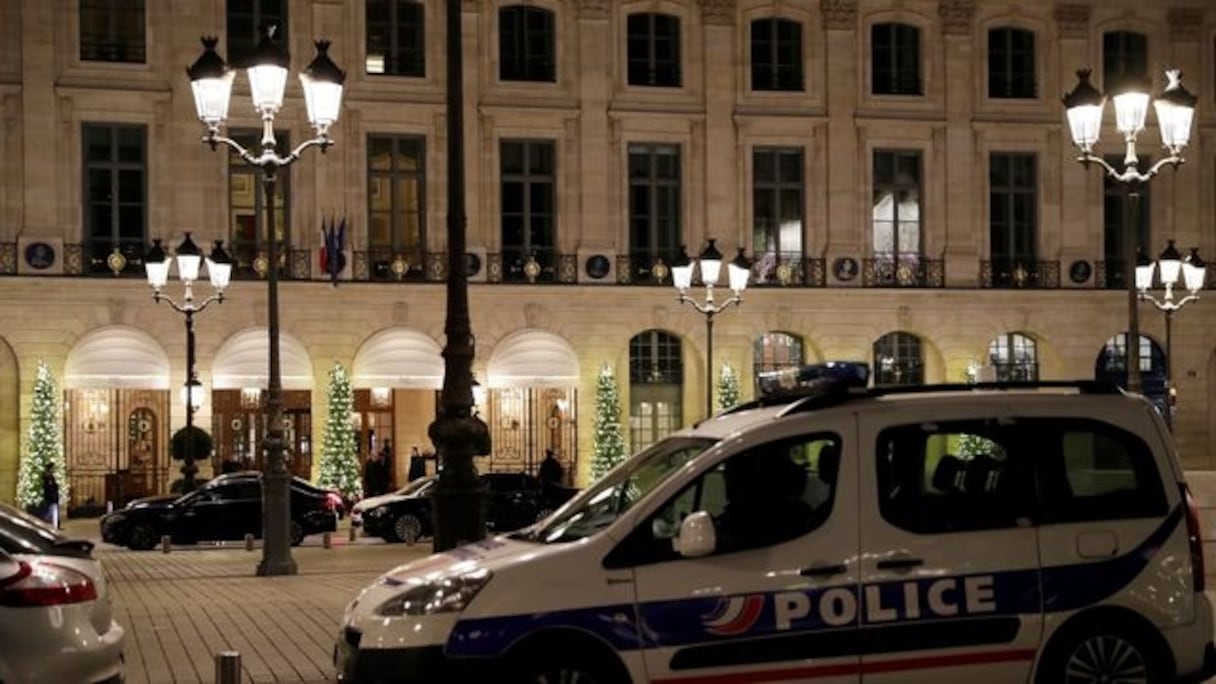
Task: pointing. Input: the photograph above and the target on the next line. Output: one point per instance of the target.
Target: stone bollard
(248, 542)
(326, 542)
(165, 543)
(354, 533)
(228, 667)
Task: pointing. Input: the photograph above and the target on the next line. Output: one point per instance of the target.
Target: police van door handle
(823, 570)
(904, 563)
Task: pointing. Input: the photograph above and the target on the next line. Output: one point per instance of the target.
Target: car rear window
(23, 533)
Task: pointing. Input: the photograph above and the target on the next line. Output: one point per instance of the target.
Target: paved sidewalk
(180, 609)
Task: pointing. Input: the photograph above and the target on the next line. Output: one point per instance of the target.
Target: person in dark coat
(551, 471)
(50, 495)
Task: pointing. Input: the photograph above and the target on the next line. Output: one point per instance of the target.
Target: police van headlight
(447, 595)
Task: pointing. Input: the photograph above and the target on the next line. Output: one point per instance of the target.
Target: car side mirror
(697, 536)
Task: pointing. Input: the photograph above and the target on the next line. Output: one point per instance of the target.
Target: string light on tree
(339, 452)
(44, 443)
(608, 442)
(728, 387)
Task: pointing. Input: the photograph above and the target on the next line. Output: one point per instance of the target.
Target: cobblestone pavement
(182, 608)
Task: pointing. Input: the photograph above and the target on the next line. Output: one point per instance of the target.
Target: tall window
(1124, 55)
(1111, 366)
(896, 205)
(396, 38)
(654, 50)
(112, 31)
(654, 204)
(776, 54)
(249, 238)
(1015, 357)
(895, 59)
(1011, 68)
(656, 384)
(776, 350)
(1118, 226)
(396, 203)
(1012, 216)
(898, 360)
(526, 41)
(529, 223)
(247, 20)
(115, 191)
(778, 207)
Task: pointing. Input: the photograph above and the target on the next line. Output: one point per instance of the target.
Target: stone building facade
(900, 172)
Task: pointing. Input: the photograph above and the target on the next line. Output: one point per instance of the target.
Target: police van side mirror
(697, 536)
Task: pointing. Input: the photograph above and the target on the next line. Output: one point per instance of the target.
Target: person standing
(50, 496)
(551, 470)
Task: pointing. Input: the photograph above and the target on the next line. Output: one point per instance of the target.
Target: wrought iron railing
(1020, 274)
(903, 271)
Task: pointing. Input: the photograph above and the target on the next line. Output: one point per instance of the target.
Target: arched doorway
(1111, 366)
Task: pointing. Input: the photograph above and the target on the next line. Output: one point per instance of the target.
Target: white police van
(990, 532)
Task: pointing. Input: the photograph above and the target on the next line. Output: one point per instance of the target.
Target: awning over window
(398, 357)
(117, 356)
(531, 358)
(244, 361)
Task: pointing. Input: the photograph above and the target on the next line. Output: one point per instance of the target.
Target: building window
(247, 22)
(396, 204)
(115, 192)
(112, 31)
(248, 238)
(1011, 68)
(896, 206)
(897, 360)
(654, 50)
(895, 59)
(776, 54)
(774, 351)
(1013, 209)
(526, 39)
(1115, 221)
(396, 38)
(1124, 56)
(529, 223)
(656, 385)
(778, 195)
(1015, 358)
(1111, 366)
(654, 204)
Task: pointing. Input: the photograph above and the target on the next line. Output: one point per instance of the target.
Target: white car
(996, 532)
(56, 624)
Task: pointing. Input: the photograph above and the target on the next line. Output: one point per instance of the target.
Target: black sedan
(224, 509)
(515, 500)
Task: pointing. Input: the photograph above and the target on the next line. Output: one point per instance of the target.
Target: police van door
(778, 594)
(950, 581)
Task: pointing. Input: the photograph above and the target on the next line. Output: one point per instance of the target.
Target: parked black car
(226, 508)
(515, 500)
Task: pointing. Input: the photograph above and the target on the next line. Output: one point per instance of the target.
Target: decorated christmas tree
(608, 442)
(339, 453)
(728, 387)
(43, 444)
(969, 445)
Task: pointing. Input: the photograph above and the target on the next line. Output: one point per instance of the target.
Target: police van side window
(957, 476)
(766, 495)
(1094, 471)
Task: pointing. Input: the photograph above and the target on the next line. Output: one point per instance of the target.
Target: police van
(832, 532)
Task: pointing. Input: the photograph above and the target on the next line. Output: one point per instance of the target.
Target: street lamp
(211, 80)
(1168, 266)
(457, 432)
(1175, 110)
(711, 265)
(219, 270)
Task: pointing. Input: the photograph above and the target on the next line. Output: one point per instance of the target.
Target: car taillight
(46, 584)
(1195, 539)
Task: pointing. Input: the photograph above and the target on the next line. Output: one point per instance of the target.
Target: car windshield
(614, 494)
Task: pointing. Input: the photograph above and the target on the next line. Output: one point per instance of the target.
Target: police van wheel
(566, 662)
(1103, 653)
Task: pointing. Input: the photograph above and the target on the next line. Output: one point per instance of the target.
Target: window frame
(769, 71)
(403, 35)
(765, 350)
(237, 168)
(381, 255)
(544, 248)
(656, 376)
(126, 41)
(1006, 80)
(517, 60)
(98, 245)
(776, 193)
(1013, 189)
(654, 234)
(1124, 55)
(900, 73)
(897, 187)
(243, 38)
(644, 65)
(1004, 352)
(906, 365)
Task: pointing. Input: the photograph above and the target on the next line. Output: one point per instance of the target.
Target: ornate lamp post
(711, 265)
(219, 270)
(458, 433)
(1169, 266)
(1175, 110)
(322, 80)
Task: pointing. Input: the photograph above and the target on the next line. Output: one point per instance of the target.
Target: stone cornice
(839, 15)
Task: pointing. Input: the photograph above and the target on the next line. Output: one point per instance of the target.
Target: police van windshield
(609, 497)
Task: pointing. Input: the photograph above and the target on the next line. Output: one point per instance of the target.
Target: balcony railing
(903, 271)
(1020, 274)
